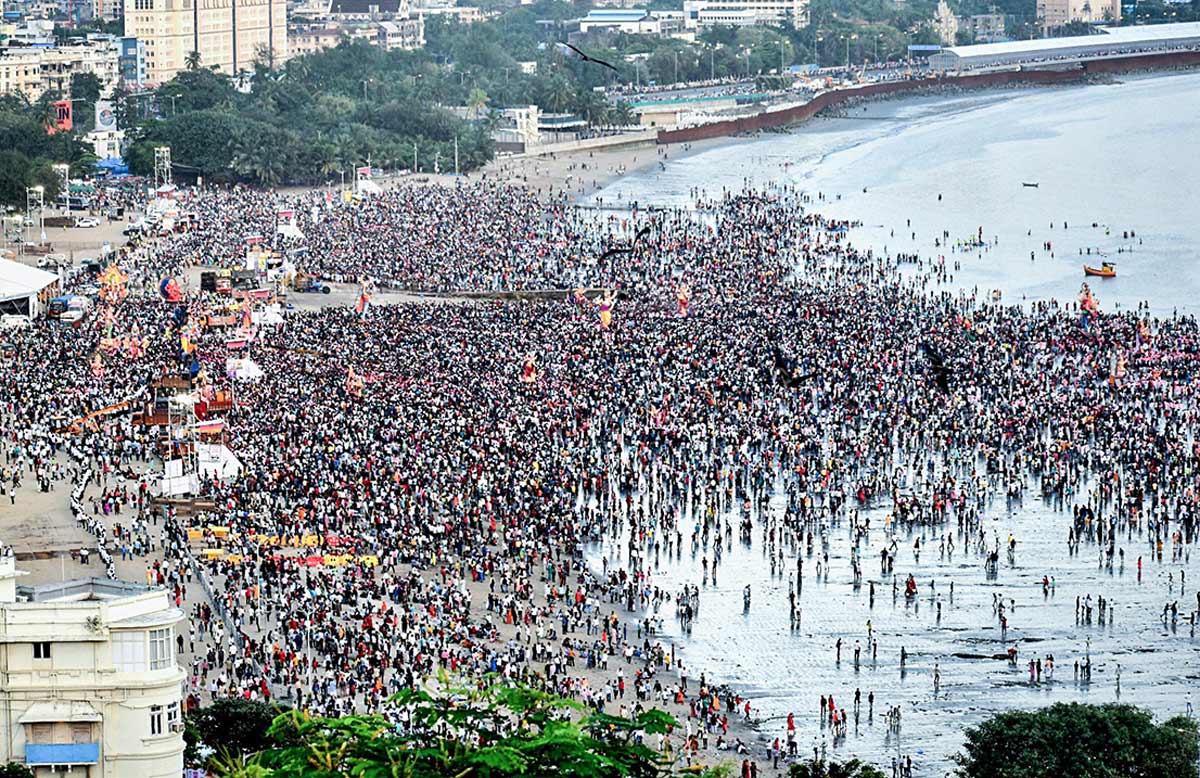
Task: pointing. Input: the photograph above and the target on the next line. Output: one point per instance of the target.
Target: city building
(32, 32)
(35, 70)
(635, 21)
(742, 13)
(227, 34)
(945, 23)
(91, 686)
(517, 128)
(1057, 13)
(464, 14)
(108, 10)
(985, 28)
(393, 34)
(305, 39)
(132, 59)
(366, 10)
(404, 34)
(1107, 43)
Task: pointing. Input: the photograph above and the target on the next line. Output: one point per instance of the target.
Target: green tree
(235, 725)
(192, 60)
(15, 770)
(14, 177)
(558, 94)
(86, 87)
(197, 90)
(822, 769)
(477, 100)
(1070, 740)
(623, 115)
(512, 731)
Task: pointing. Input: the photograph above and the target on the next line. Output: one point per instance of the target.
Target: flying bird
(586, 58)
(643, 232)
(937, 367)
(787, 370)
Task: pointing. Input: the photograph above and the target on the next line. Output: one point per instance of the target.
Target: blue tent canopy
(114, 166)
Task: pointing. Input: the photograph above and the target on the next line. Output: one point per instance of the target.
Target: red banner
(62, 116)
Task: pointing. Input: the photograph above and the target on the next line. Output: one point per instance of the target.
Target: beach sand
(47, 539)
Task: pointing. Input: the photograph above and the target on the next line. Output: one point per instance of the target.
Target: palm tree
(597, 109)
(326, 156)
(559, 94)
(260, 160)
(477, 100)
(623, 115)
(192, 60)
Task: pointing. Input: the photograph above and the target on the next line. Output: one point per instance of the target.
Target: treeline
(305, 123)
(28, 150)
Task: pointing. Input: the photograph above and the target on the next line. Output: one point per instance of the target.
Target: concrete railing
(589, 144)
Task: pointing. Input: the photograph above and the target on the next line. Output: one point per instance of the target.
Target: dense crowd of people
(420, 482)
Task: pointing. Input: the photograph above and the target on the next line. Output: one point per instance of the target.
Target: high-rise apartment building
(1057, 13)
(229, 34)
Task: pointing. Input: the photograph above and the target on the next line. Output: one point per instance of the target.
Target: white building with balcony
(35, 70)
(90, 686)
(699, 14)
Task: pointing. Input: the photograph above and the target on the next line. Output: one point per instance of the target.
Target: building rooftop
(616, 15)
(1107, 36)
(81, 590)
(364, 7)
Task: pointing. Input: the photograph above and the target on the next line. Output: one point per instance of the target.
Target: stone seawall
(800, 113)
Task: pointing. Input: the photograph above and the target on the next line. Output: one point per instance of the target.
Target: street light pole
(676, 67)
(781, 56)
(35, 195)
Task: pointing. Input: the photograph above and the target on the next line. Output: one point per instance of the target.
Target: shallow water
(1119, 155)
(784, 670)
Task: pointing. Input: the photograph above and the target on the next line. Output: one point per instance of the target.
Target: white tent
(175, 483)
(289, 230)
(365, 186)
(211, 459)
(20, 286)
(217, 461)
(268, 316)
(242, 369)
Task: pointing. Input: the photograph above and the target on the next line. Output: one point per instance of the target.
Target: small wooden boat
(1027, 183)
(1106, 270)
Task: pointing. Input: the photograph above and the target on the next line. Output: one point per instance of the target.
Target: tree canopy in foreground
(490, 733)
(1070, 740)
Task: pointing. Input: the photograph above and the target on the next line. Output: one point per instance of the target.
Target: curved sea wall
(800, 113)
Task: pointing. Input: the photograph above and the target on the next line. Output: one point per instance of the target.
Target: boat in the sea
(1106, 270)
(1028, 183)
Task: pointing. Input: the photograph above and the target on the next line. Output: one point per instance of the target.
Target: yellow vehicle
(307, 282)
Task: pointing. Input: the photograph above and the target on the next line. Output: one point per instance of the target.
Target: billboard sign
(106, 120)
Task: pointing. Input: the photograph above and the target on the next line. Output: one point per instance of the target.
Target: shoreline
(552, 173)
